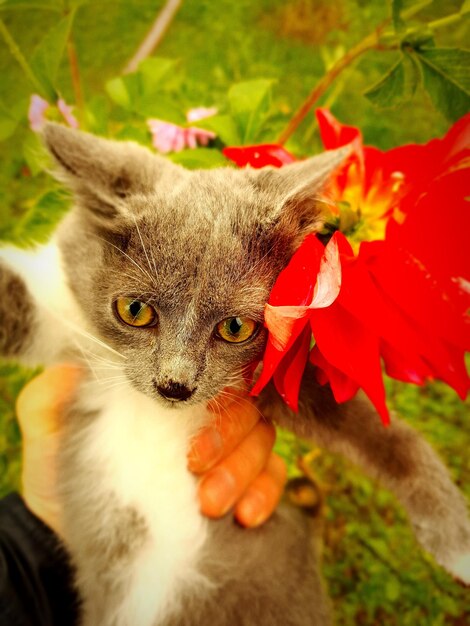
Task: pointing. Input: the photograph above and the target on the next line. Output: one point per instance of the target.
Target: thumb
(40, 404)
(40, 408)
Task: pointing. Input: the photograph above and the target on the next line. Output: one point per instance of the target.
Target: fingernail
(205, 450)
(251, 511)
(217, 492)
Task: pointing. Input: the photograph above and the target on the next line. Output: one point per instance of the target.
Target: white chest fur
(139, 453)
(136, 448)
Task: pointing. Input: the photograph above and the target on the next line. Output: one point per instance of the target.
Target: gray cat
(158, 278)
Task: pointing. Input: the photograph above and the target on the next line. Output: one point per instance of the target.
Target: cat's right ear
(104, 174)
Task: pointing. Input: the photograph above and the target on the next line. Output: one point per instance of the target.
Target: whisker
(100, 358)
(128, 257)
(84, 333)
(236, 400)
(142, 242)
(115, 385)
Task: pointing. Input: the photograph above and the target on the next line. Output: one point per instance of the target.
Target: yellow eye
(236, 329)
(135, 312)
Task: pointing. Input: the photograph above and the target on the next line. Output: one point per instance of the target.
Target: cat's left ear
(296, 192)
(104, 174)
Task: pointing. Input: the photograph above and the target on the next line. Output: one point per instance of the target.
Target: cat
(157, 278)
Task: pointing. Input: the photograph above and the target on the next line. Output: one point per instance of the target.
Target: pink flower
(168, 137)
(67, 114)
(37, 108)
(37, 112)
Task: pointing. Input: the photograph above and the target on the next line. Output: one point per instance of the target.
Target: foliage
(374, 567)
(257, 65)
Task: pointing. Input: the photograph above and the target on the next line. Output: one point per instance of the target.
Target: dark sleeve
(35, 576)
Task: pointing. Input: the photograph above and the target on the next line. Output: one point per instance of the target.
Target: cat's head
(172, 267)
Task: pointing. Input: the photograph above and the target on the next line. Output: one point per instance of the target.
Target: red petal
(436, 228)
(425, 324)
(288, 375)
(273, 356)
(347, 344)
(259, 156)
(408, 283)
(403, 368)
(295, 284)
(343, 387)
(333, 133)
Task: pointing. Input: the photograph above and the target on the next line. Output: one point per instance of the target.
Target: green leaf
(155, 72)
(49, 5)
(397, 86)
(392, 589)
(118, 92)
(39, 222)
(97, 114)
(35, 154)
(224, 127)
(398, 23)
(142, 92)
(446, 78)
(465, 7)
(8, 122)
(250, 104)
(417, 37)
(199, 158)
(134, 133)
(159, 106)
(47, 57)
(75, 4)
(7, 127)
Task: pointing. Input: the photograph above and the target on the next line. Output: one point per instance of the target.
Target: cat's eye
(236, 329)
(135, 312)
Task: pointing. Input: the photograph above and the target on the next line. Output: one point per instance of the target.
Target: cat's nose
(174, 391)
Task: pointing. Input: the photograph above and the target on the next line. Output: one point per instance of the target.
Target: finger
(262, 496)
(222, 486)
(40, 404)
(235, 416)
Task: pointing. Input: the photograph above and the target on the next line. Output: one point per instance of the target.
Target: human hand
(233, 456)
(40, 407)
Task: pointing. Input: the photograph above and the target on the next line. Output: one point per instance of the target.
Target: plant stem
(370, 42)
(155, 34)
(445, 21)
(75, 74)
(18, 55)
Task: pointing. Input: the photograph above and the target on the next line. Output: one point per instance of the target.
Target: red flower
(311, 281)
(259, 156)
(374, 182)
(403, 301)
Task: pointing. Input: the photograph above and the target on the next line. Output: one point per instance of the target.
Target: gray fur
(273, 578)
(17, 315)
(397, 456)
(200, 247)
(104, 535)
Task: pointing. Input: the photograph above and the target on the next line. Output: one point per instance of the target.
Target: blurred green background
(376, 572)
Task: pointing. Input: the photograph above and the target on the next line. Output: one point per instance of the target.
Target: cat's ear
(297, 193)
(103, 174)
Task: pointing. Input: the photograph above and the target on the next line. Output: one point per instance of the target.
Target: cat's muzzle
(174, 392)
